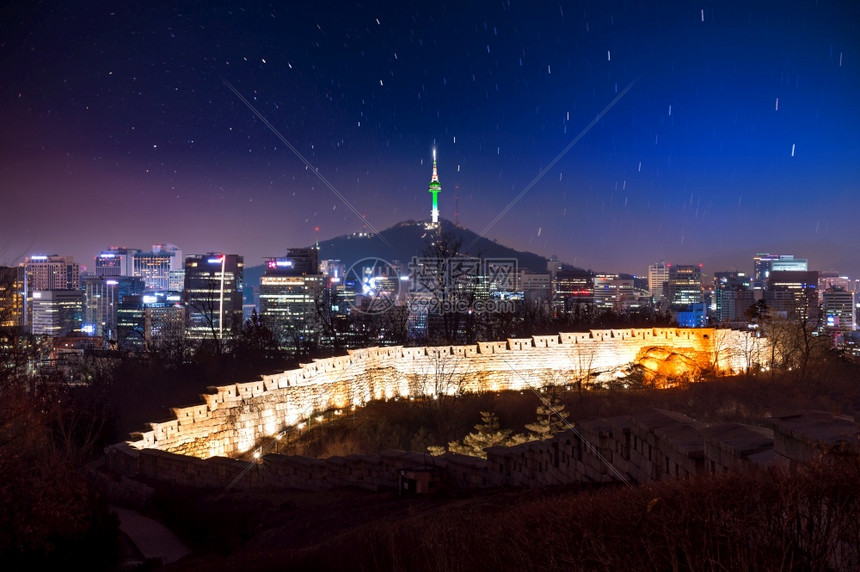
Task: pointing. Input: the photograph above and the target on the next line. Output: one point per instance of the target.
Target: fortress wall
(232, 418)
(637, 447)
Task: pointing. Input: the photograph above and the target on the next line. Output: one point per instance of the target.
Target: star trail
(738, 136)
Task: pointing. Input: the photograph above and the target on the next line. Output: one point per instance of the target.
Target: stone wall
(233, 418)
(653, 445)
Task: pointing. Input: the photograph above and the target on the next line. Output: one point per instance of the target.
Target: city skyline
(613, 137)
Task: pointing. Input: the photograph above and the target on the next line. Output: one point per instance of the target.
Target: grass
(415, 425)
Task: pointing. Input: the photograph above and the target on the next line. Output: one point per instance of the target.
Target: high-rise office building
(101, 299)
(116, 261)
(733, 296)
(553, 265)
(828, 279)
(534, 286)
(291, 291)
(334, 272)
(150, 319)
(793, 294)
(154, 268)
(840, 311)
(129, 323)
(52, 272)
(176, 261)
(611, 292)
(57, 312)
(176, 273)
(684, 285)
(572, 289)
(13, 297)
(213, 294)
(765, 263)
(163, 316)
(658, 275)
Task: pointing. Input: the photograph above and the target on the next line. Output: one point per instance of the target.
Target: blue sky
(738, 134)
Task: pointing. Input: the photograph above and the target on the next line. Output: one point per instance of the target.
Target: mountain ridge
(399, 243)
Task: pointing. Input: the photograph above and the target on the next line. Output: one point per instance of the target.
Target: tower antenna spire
(434, 189)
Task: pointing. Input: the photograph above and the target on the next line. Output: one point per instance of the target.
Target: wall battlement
(651, 445)
(233, 418)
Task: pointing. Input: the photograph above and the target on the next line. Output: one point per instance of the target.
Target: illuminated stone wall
(650, 445)
(233, 418)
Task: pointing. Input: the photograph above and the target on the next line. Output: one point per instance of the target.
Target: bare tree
(208, 321)
(795, 344)
(582, 361)
(445, 378)
(439, 388)
(748, 348)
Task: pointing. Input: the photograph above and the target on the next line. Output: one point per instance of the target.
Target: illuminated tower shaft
(434, 189)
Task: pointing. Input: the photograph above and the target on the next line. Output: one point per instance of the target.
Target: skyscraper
(116, 261)
(611, 292)
(290, 290)
(52, 272)
(57, 312)
(534, 287)
(553, 265)
(213, 294)
(658, 275)
(101, 299)
(732, 296)
(840, 311)
(154, 268)
(794, 294)
(12, 296)
(573, 289)
(684, 285)
(831, 279)
(765, 263)
(176, 273)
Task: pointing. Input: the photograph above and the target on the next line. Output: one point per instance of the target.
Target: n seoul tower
(434, 189)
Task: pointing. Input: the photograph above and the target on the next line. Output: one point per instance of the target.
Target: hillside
(677, 524)
(410, 238)
(407, 239)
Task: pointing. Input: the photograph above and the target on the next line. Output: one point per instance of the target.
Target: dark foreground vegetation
(53, 514)
(768, 519)
(765, 520)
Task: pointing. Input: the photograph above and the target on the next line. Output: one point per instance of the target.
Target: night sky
(130, 124)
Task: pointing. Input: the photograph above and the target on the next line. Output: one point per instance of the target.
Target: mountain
(409, 239)
(412, 238)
